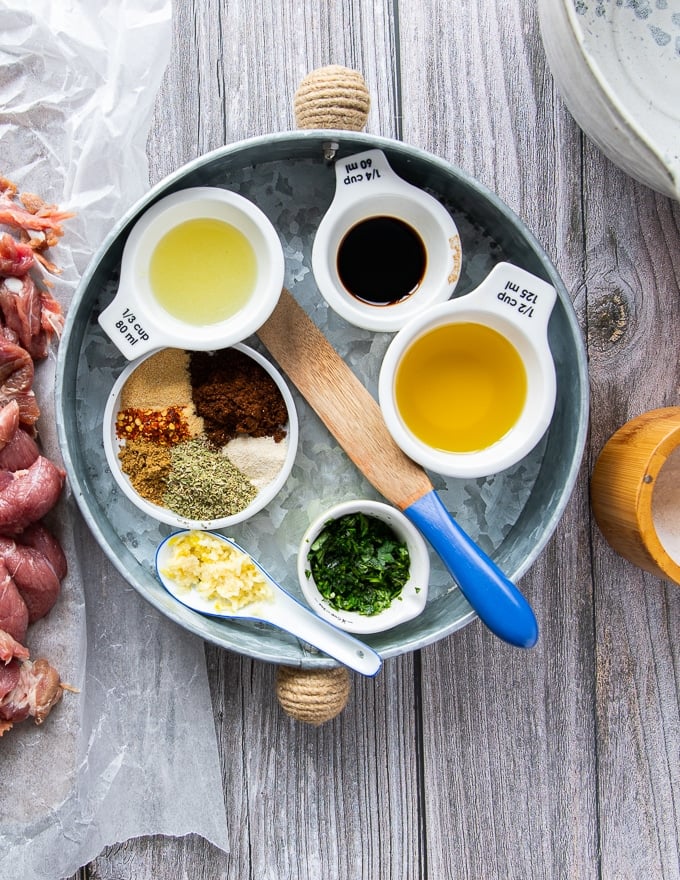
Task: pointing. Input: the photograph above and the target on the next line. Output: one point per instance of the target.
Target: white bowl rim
(625, 119)
(413, 598)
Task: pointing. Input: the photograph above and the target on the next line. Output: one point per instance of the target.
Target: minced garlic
(219, 572)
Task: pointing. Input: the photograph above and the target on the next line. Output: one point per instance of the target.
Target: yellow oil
(203, 271)
(460, 387)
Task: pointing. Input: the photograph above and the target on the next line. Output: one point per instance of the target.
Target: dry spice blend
(180, 414)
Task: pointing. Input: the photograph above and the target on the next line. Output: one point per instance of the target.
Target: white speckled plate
(617, 65)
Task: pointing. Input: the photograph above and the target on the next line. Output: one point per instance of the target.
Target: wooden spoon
(354, 418)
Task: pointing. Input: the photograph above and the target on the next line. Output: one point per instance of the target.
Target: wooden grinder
(331, 97)
(623, 484)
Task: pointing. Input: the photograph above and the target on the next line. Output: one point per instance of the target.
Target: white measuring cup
(367, 189)
(516, 304)
(137, 323)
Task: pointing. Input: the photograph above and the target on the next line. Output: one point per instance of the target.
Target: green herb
(204, 484)
(359, 564)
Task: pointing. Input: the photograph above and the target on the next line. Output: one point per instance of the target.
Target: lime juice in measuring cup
(201, 269)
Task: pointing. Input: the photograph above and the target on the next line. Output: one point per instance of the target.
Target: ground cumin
(234, 395)
(148, 467)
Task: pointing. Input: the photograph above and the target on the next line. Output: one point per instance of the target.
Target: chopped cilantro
(359, 564)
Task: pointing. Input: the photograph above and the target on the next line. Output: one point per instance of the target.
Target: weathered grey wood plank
(514, 740)
(235, 68)
(633, 281)
(320, 800)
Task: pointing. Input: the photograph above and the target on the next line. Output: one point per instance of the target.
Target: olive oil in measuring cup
(203, 271)
(468, 387)
(460, 387)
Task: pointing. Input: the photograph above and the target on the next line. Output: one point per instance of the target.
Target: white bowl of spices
(364, 566)
(199, 439)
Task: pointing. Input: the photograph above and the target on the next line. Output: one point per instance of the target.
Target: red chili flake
(163, 426)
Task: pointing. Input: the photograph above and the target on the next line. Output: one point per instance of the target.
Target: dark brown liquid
(381, 260)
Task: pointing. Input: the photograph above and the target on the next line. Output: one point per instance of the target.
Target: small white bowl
(113, 444)
(137, 323)
(406, 606)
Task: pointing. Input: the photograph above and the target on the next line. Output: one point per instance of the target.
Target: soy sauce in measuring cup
(385, 249)
(381, 260)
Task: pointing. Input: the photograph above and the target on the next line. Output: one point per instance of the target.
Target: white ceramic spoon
(282, 611)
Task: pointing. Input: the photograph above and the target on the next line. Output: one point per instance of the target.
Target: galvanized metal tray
(512, 514)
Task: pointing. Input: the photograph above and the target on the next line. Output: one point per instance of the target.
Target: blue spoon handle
(497, 601)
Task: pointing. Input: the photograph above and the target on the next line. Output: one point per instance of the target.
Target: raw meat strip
(9, 422)
(29, 495)
(16, 257)
(13, 610)
(20, 452)
(38, 536)
(36, 693)
(10, 649)
(16, 380)
(31, 313)
(21, 309)
(33, 576)
(9, 679)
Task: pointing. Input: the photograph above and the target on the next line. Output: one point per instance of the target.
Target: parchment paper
(135, 751)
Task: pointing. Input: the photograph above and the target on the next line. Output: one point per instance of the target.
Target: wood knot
(312, 696)
(609, 321)
(332, 97)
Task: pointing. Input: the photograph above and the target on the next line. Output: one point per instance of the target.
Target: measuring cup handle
(303, 623)
(519, 296)
(363, 174)
(132, 333)
(494, 597)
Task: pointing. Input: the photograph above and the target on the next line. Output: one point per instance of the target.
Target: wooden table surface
(468, 759)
